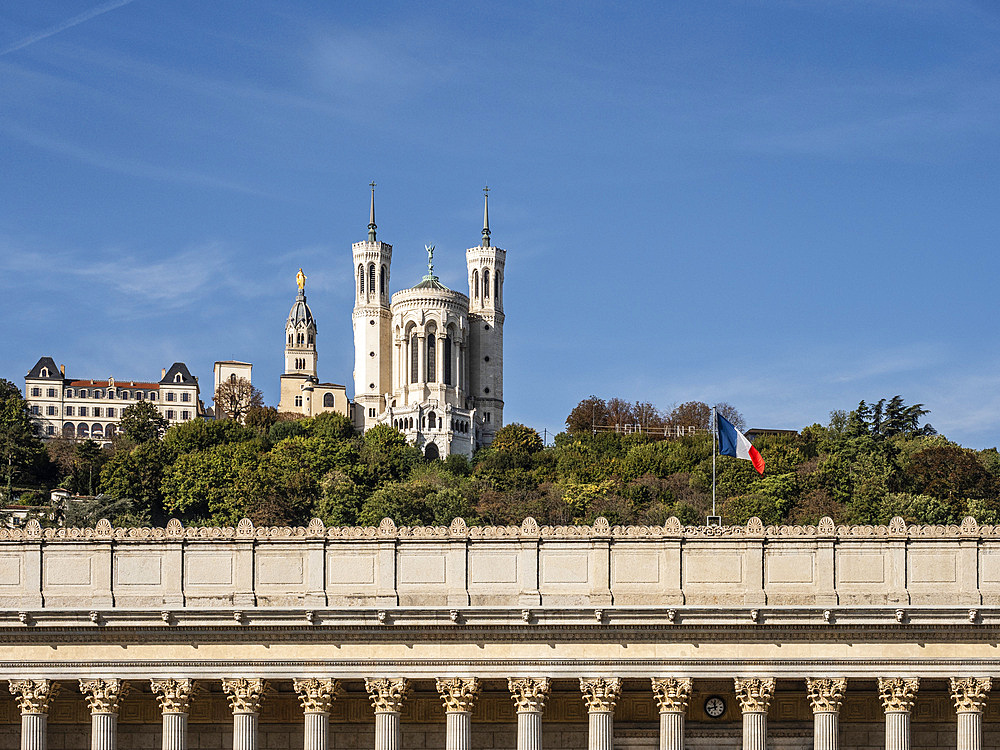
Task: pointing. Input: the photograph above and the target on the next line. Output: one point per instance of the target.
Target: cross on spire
(486, 216)
(371, 215)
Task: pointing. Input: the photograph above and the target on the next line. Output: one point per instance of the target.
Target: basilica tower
(486, 277)
(372, 325)
(300, 350)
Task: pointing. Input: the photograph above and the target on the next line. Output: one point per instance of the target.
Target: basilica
(428, 360)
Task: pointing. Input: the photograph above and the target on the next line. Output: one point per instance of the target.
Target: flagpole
(714, 451)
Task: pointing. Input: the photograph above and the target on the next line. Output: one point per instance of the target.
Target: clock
(715, 706)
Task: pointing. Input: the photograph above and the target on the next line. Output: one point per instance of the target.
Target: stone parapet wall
(522, 570)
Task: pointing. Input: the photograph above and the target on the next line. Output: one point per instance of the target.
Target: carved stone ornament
(317, 695)
(898, 693)
(672, 693)
(458, 693)
(601, 693)
(826, 694)
(174, 695)
(969, 693)
(529, 693)
(103, 696)
(245, 694)
(754, 694)
(33, 696)
(387, 694)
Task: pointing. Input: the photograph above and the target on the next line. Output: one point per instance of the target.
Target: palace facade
(665, 637)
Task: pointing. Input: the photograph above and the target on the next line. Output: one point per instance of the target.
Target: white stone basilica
(429, 360)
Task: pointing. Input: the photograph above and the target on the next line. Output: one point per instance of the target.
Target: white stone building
(82, 409)
(428, 360)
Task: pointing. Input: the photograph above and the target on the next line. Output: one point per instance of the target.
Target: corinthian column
(826, 696)
(387, 696)
(898, 695)
(175, 702)
(33, 698)
(245, 698)
(969, 694)
(672, 695)
(103, 697)
(600, 694)
(754, 695)
(316, 697)
(459, 696)
(529, 696)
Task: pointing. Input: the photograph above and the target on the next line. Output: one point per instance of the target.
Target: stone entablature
(896, 575)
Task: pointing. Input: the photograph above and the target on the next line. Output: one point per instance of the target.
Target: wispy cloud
(67, 24)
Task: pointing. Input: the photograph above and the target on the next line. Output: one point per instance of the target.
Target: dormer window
(82, 393)
(44, 372)
(177, 378)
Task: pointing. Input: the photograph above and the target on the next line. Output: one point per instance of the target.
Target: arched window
(496, 286)
(431, 357)
(110, 431)
(82, 393)
(475, 284)
(328, 400)
(97, 431)
(371, 278)
(44, 372)
(486, 284)
(381, 280)
(82, 430)
(447, 359)
(432, 421)
(289, 339)
(232, 377)
(361, 279)
(69, 430)
(414, 359)
(69, 392)
(431, 452)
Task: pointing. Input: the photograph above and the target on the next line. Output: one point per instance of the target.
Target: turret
(300, 334)
(486, 277)
(372, 324)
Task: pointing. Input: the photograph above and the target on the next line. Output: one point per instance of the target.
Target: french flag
(732, 442)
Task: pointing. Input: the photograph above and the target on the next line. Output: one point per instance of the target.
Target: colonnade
(459, 695)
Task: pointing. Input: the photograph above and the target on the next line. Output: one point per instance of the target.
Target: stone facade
(490, 637)
(82, 409)
(429, 360)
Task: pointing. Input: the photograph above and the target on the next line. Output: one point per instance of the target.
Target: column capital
(387, 694)
(458, 693)
(672, 693)
(529, 693)
(898, 693)
(33, 696)
(754, 693)
(826, 694)
(174, 696)
(245, 694)
(601, 693)
(103, 695)
(969, 693)
(317, 695)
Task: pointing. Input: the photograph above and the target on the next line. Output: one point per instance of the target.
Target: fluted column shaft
(317, 731)
(671, 730)
(244, 731)
(103, 731)
(754, 730)
(175, 729)
(754, 695)
(898, 695)
(970, 731)
(826, 730)
(600, 730)
(387, 731)
(458, 726)
(245, 695)
(34, 731)
(897, 730)
(529, 730)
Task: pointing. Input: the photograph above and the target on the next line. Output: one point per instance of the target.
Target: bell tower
(372, 325)
(486, 278)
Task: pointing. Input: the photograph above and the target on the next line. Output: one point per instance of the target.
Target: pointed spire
(371, 215)
(486, 216)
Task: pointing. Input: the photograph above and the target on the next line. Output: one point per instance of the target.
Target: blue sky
(787, 205)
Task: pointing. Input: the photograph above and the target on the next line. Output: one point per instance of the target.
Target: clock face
(715, 706)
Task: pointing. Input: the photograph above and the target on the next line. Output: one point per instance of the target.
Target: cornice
(528, 529)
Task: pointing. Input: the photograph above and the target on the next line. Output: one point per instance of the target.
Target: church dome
(300, 315)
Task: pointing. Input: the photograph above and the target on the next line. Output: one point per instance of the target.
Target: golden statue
(300, 279)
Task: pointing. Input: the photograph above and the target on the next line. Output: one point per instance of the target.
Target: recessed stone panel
(794, 568)
(713, 567)
(350, 569)
(280, 570)
(564, 568)
(635, 567)
(68, 570)
(417, 569)
(932, 568)
(209, 569)
(853, 567)
(138, 570)
(10, 570)
(494, 567)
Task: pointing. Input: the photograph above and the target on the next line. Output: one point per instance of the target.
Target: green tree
(88, 459)
(386, 454)
(141, 422)
(137, 474)
(331, 425)
(587, 415)
(20, 447)
(517, 438)
(214, 485)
